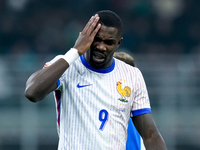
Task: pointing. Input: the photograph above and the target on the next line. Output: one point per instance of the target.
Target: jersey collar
(107, 70)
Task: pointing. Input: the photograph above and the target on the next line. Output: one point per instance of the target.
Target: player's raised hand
(86, 37)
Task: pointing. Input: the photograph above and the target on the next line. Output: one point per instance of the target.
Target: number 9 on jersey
(103, 117)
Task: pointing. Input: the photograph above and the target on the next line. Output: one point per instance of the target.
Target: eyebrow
(109, 39)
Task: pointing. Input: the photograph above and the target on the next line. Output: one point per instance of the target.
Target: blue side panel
(133, 140)
(58, 83)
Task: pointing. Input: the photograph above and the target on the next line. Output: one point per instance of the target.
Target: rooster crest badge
(123, 92)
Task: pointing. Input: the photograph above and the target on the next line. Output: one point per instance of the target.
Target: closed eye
(109, 42)
(97, 39)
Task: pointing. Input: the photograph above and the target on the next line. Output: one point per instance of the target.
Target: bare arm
(149, 132)
(42, 82)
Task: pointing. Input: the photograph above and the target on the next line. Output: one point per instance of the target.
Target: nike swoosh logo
(81, 86)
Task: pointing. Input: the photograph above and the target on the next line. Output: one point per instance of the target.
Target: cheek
(112, 48)
(92, 45)
(110, 52)
(116, 46)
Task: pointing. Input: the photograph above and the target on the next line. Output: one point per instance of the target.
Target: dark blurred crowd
(52, 26)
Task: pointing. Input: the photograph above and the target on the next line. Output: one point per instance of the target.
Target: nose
(101, 46)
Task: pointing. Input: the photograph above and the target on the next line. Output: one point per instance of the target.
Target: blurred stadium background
(162, 35)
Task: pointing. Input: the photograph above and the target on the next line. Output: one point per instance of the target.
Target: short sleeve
(141, 103)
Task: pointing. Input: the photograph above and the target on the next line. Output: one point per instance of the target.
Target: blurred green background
(163, 36)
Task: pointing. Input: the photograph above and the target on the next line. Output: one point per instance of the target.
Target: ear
(120, 41)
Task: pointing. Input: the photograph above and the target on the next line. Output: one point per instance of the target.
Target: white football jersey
(94, 106)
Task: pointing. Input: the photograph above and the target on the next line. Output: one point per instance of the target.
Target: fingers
(90, 26)
(96, 30)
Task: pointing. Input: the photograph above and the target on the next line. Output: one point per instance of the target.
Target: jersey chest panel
(95, 101)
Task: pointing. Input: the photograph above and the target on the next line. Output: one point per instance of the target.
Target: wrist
(71, 56)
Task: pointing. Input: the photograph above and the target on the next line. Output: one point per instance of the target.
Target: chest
(101, 91)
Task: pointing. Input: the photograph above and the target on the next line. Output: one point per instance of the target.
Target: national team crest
(125, 92)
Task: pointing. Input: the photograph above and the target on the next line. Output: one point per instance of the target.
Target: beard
(98, 59)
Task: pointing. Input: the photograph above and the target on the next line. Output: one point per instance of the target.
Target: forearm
(44, 81)
(156, 142)
(151, 136)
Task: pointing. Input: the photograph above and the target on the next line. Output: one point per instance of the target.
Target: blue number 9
(103, 117)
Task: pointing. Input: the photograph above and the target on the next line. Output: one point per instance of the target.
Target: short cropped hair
(110, 19)
(125, 58)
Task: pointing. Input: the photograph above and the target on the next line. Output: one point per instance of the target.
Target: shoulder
(120, 65)
(130, 71)
(53, 60)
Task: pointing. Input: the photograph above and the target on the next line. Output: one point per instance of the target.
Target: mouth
(98, 57)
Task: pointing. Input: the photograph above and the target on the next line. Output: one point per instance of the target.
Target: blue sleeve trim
(58, 83)
(141, 111)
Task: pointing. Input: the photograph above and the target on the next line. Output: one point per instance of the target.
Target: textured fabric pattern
(94, 106)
